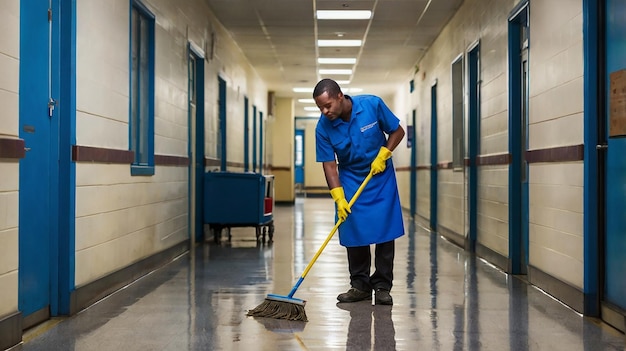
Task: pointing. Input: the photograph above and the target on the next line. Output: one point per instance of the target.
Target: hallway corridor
(444, 299)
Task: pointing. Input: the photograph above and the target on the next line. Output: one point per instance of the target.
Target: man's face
(330, 106)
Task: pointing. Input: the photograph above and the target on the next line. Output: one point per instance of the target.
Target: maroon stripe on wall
(492, 160)
(556, 154)
(166, 160)
(12, 148)
(209, 162)
(101, 155)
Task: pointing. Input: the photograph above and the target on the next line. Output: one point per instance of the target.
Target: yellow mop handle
(332, 232)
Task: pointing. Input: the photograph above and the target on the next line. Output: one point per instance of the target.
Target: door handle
(602, 146)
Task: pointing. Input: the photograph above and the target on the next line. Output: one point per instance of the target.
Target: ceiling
(279, 39)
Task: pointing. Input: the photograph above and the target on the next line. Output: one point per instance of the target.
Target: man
(350, 141)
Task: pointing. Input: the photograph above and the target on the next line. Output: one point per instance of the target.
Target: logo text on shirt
(371, 125)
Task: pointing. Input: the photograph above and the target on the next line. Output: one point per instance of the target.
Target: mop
(289, 307)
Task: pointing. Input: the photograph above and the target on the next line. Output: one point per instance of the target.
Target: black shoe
(383, 297)
(354, 295)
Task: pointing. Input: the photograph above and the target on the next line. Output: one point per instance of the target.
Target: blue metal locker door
(615, 241)
(36, 128)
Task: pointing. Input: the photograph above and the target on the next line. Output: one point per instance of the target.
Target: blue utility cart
(239, 200)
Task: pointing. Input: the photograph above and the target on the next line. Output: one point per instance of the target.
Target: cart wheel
(258, 233)
(230, 236)
(264, 233)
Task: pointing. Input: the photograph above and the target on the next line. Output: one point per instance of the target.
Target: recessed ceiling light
(343, 14)
(340, 42)
(353, 90)
(302, 90)
(335, 71)
(341, 61)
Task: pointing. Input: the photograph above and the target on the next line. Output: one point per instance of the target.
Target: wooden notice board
(617, 104)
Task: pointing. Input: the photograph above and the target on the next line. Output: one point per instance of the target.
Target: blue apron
(376, 215)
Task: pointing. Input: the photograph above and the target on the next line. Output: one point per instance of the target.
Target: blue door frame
(254, 139)
(614, 238)
(413, 174)
(518, 183)
(260, 142)
(47, 174)
(222, 111)
(197, 79)
(433, 157)
(473, 142)
(594, 134)
(246, 134)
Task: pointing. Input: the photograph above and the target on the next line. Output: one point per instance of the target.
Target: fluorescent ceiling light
(353, 90)
(311, 114)
(338, 42)
(309, 108)
(302, 90)
(335, 71)
(340, 61)
(306, 101)
(342, 82)
(344, 14)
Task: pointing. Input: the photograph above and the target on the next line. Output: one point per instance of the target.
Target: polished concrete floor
(444, 299)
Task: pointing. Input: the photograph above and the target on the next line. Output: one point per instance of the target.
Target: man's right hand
(343, 208)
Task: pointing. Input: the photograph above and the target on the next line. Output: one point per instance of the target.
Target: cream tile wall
(8, 236)
(476, 20)
(399, 104)
(313, 170)
(493, 208)
(282, 146)
(556, 220)
(121, 219)
(556, 119)
(9, 169)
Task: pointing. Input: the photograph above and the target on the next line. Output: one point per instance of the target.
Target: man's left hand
(380, 162)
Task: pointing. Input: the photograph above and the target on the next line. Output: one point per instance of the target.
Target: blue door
(196, 144)
(37, 124)
(299, 158)
(433, 158)
(518, 138)
(221, 151)
(411, 133)
(474, 143)
(615, 240)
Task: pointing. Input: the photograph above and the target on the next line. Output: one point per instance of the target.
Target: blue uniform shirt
(377, 215)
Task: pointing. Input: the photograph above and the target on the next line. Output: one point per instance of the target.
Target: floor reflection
(369, 324)
(444, 299)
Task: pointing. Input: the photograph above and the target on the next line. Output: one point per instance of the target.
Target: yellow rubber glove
(380, 162)
(343, 209)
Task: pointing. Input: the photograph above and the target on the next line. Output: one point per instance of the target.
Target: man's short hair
(326, 86)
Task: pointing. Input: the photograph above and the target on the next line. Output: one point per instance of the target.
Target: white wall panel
(9, 169)
(121, 219)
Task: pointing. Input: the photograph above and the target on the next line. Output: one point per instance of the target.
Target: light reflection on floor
(444, 299)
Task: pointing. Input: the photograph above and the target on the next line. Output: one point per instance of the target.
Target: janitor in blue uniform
(356, 134)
